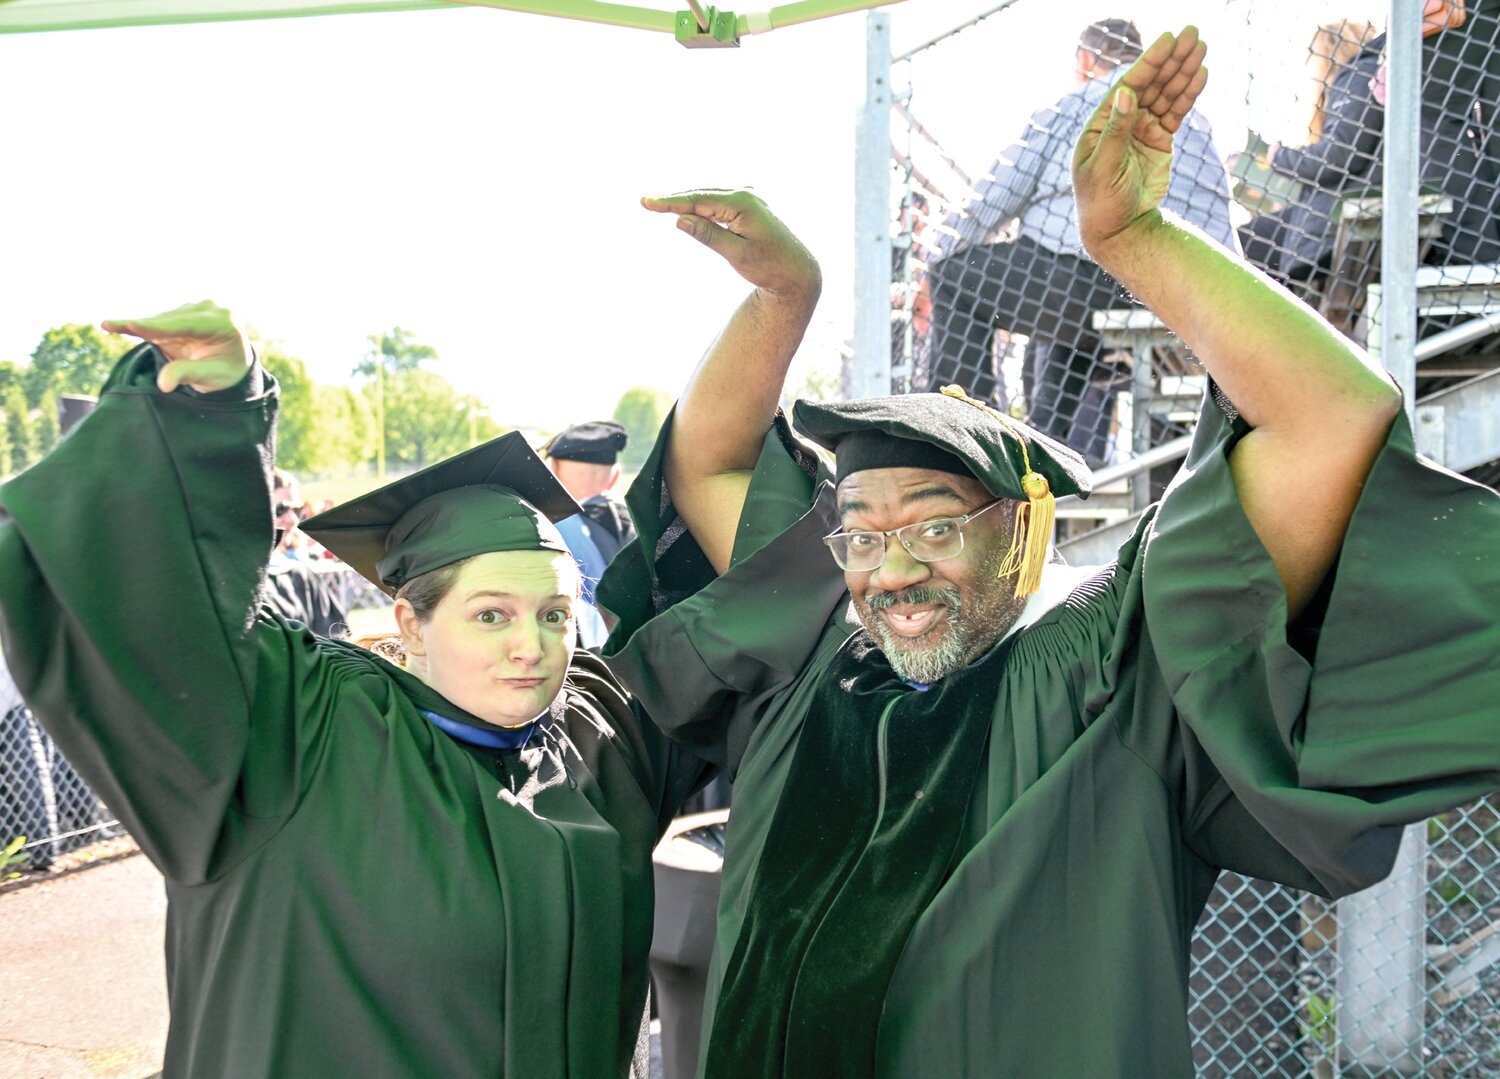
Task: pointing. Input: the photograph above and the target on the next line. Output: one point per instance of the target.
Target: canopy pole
(867, 372)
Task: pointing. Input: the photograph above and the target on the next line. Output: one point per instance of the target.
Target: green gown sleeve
(705, 654)
(1164, 722)
(130, 564)
(1322, 740)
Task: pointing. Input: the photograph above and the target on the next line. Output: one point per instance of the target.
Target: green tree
(481, 425)
(817, 376)
(641, 411)
(393, 353)
(10, 375)
(18, 428)
(6, 460)
(71, 359)
(297, 448)
(343, 428)
(46, 427)
(396, 351)
(424, 418)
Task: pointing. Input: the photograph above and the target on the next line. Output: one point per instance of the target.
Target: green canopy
(700, 25)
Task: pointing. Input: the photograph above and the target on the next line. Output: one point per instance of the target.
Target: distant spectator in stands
(294, 589)
(1460, 154)
(1041, 284)
(585, 460)
(286, 511)
(1460, 92)
(1341, 155)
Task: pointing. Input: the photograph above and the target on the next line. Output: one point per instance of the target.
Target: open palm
(740, 227)
(1123, 162)
(204, 348)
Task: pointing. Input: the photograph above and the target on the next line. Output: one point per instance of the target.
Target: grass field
(371, 622)
(340, 490)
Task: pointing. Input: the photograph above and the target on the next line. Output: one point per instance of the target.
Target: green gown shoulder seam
(1114, 723)
(1208, 804)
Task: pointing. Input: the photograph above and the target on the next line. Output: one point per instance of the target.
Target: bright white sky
(472, 175)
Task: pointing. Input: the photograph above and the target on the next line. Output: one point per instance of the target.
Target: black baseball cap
(597, 442)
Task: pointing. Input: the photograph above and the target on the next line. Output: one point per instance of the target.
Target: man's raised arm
(730, 400)
(1319, 408)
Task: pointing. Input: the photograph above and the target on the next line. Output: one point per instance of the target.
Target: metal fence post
(867, 372)
(1382, 993)
(1382, 960)
(1398, 241)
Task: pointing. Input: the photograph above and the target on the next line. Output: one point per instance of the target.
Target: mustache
(948, 597)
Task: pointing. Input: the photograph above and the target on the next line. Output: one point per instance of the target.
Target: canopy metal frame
(699, 26)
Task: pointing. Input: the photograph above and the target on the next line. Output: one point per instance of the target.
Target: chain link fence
(989, 289)
(1283, 160)
(41, 797)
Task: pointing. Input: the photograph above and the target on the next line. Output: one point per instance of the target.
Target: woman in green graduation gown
(443, 870)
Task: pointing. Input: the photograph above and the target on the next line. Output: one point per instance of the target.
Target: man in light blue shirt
(583, 457)
(1041, 284)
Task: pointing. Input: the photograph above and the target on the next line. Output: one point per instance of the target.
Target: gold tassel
(1032, 535)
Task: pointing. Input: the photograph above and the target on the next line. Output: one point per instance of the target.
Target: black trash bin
(687, 864)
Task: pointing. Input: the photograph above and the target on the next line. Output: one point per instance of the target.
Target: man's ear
(410, 628)
(614, 474)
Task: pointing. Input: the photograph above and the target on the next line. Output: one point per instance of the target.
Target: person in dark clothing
(1460, 90)
(1345, 157)
(1042, 283)
(436, 869)
(299, 593)
(294, 588)
(1459, 147)
(1296, 243)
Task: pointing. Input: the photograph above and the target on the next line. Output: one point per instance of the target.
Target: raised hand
(204, 348)
(739, 226)
(1122, 164)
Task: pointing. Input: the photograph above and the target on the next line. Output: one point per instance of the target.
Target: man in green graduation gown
(981, 802)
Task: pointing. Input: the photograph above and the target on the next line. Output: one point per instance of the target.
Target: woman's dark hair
(426, 591)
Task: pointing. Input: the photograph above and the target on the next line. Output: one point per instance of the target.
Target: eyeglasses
(927, 541)
(283, 508)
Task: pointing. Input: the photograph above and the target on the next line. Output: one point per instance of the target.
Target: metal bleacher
(1457, 415)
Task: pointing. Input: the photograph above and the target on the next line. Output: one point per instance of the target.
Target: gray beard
(907, 656)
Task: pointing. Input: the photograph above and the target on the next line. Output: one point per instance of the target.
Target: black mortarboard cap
(494, 497)
(995, 450)
(597, 442)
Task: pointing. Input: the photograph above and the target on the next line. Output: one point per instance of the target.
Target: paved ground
(82, 979)
(82, 985)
